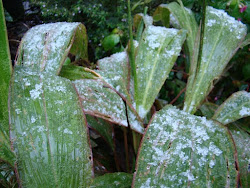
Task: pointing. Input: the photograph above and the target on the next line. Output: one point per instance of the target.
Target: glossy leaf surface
(235, 107)
(113, 180)
(45, 47)
(48, 131)
(222, 36)
(183, 150)
(158, 49)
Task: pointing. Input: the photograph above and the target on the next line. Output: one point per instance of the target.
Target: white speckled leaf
(235, 107)
(114, 70)
(158, 49)
(100, 101)
(45, 47)
(183, 150)
(222, 36)
(113, 180)
(242, 142)
(48, 131)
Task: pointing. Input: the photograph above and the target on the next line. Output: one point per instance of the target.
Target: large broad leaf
(5, 73)
(45, 47)
(48, 131)
(183, 150)
(158, 49)
(235, 107)
(222, 36)
(115, 71)
(100, 101)
(116, 180)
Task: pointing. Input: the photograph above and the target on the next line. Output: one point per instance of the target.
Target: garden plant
(49, 105)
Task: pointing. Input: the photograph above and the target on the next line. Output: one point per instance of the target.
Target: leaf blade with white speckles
(235, 107)
(217, 50)
(45, 47)
(180, 150)
(48, 131)
(158, 49)
(101, 101)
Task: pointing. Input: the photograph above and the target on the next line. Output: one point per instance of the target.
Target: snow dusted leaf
(183, 150)
(5, 74)
(242, 142)
(235, 107)
(100, 101)
(158, 49)
(222, 36)
(114, 71)
(113, 180)
(46, 47)
(103, 128)
(48, 131)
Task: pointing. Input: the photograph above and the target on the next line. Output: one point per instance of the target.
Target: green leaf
(73, 72)
(158, 49)
(242, 142)
(48, 131)
(5, 74)
(110, 41)
(103, 128)
(222, 36)
(235, 107)
(115, 72)
(100, 101)
(147, 20)
(207, 109)
(162, 14)
(113, 180)
(46, 47)
(246, 41)
(183, 150)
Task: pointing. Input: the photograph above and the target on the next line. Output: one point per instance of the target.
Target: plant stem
(202, 32)
(131, 50)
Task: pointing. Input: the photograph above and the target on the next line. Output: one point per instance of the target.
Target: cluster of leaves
(52, 105)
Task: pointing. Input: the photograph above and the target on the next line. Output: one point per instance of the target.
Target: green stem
(141, 25)
(202, 32)
(131, 50)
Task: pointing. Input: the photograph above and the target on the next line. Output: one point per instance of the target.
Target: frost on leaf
(45, 47)
(158, 50)
(47, 126)
(235, 107)
(222, 36)
(181, 150)
(114, 71)
(100, 101)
